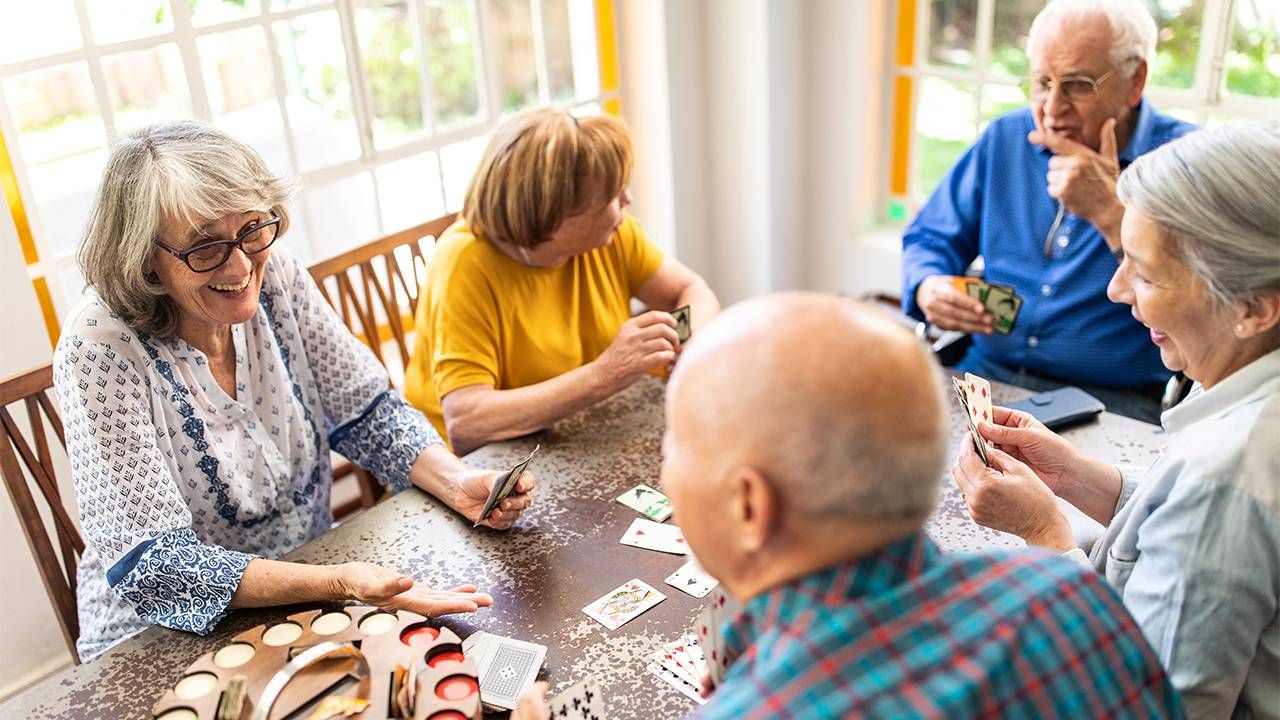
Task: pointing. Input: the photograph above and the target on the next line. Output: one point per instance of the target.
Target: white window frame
(185, 35)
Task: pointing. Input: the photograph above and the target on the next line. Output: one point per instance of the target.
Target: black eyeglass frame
(238, 242)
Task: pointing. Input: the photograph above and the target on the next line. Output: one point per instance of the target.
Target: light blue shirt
(1194, 547)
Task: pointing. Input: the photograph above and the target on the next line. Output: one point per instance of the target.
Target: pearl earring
(1240, 328)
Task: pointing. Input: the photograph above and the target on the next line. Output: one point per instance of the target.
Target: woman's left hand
(376, 585)
(472, 491)
(1010, 497)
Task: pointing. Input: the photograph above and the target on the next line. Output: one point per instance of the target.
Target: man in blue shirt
(1035, 198)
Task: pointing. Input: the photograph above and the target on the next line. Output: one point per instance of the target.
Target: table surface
(563, 554)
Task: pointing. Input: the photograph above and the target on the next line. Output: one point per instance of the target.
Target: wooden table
(563, 554)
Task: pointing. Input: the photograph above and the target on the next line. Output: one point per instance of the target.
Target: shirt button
(1033, 341)
(1063, 241)
(1045, 290)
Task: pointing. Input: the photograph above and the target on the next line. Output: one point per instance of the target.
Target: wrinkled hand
(1084, 180)
(375, 585)
(472, 489)
(1026, 440)
(1009, 497)
(532, 704)
(949, 309)
(644, 342)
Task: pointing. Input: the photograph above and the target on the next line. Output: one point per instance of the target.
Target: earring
(1239, 328)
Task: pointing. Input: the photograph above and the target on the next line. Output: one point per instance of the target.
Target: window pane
(319, 92)
(208, 12)
(586, 53)
(557, 38)
(118, 20)
(459, 161)
(391, 65)
(944, 120)
(242, 97)
(63, 191)
(512, 35)
(56, 113)
(1253, 61)
(342, 214)
(952, 25)
(288, 4)
(146, 86)
(409, 191)
(1179, 41)
(1000, 99)
(41, 28)
(1009, 36)
(454, 77)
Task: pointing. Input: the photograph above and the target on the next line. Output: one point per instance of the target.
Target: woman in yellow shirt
(525, 315)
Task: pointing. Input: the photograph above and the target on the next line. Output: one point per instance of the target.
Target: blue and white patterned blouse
(179, 486)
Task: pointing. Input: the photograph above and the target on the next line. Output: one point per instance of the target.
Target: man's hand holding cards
(1002, 302)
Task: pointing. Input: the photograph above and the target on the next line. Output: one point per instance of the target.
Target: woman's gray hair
(1133, 30)
(185, 171)
(1216, 195)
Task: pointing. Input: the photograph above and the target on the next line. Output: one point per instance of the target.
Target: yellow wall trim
(9, 182)
(607, 50)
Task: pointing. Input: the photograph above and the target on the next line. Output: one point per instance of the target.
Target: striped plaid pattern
(914, 633)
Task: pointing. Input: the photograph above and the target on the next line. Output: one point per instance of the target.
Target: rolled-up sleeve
(367, 420)
(132, 512)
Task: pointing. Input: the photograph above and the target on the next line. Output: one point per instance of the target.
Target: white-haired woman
(1192, 543)
(203, 381)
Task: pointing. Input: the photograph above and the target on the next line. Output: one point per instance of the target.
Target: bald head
(835, 403)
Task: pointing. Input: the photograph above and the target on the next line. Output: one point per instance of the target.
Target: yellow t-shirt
(486, 319)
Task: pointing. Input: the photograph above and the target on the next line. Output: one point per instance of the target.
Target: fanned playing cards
(684, 320)
(976, 403)
(503, 486)
(582, 701)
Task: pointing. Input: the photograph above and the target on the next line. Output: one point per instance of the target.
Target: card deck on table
(684, 319)
(692, 579)
(581, 701)
(962, 394)
(507, 666)
(647, 501)
(1002, 301)
(709, 634)
(503, 486)
(620, 605)
(650, 535)
(679, 683)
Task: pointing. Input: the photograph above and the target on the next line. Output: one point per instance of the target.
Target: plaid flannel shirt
(911, 632)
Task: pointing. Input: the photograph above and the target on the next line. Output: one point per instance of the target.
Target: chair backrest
(30, 450)
(375, 287)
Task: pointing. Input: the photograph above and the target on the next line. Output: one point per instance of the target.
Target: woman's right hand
(644, 342)
(375, 585)
(1020, 435)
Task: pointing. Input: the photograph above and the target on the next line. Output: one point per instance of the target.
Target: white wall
(28, 621)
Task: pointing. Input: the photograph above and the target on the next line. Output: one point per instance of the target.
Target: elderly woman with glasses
(203, 382)
(1193, 542)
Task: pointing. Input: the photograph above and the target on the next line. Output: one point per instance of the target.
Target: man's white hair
(1133, 30)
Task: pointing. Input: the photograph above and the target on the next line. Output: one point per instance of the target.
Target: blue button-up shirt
(995, 203)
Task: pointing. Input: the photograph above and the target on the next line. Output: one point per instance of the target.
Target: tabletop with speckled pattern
(562, 554)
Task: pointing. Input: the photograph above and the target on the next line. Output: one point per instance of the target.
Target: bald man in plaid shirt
(805, 440)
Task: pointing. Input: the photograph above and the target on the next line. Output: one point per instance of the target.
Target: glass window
(1178, 44)
(146, 86)
(455, 73)
(409, 191)
(586, 53)
(41, 28)
(115, 21)
(391, 66)
(321, 117)
(1009, 37)
(56, 112)
(1253, 59)
(343, 215)
(241, 93)
(208, 12)
(511, 30)
(952, 28)
(63, 192)
(945, 127)
(458, 163)
(559, 44)
(1000, 99)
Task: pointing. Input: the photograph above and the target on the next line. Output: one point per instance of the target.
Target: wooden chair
(19, 449)
(375, 289)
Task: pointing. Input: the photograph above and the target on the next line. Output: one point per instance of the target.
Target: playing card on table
(647, 501)
(503, 486)
(684, 686)
(581, 701)
(507, 667)
(650, 535)
(679, 654)
(692, 579)
(618, 606)
(684, 318)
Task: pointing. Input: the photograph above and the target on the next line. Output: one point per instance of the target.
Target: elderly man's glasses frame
(207, 257)
(1075, 87)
